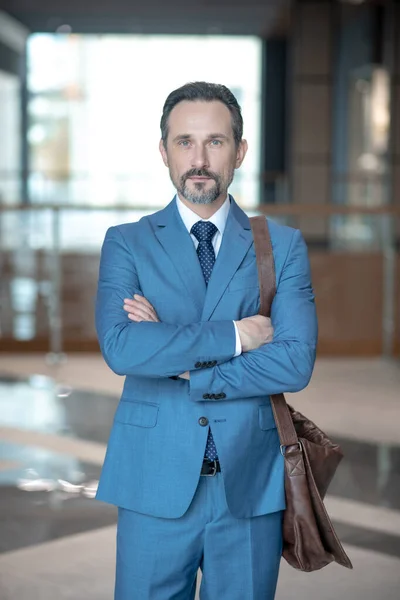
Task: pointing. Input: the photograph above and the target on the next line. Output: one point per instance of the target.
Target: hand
(185, 375)
(255, 332)
(139, 309)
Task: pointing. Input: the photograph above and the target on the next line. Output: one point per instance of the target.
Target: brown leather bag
(311, 458)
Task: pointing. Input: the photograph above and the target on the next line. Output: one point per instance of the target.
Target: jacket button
(213, 397)
(222, 395)
(203, 421)
(198, 365)
(209, 364)
(214, 362)
(206, 396)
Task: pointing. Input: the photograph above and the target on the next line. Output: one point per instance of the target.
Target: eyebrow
(212, 136)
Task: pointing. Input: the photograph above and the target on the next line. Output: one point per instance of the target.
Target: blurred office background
(81, 91)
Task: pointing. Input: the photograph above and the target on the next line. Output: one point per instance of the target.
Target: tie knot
(204, 231)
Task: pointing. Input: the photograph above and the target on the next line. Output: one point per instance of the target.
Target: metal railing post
(388, 283)
(56, 354)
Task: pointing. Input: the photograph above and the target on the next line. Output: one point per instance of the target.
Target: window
(96, 104)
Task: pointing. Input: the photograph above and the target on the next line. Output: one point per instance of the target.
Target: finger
(141, 308)
(129, 301)
(133, 317)
(141, 312)
(139, 318)
(137, 306)
(136, 318)
(143, 300)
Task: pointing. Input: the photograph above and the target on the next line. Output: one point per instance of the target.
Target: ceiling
(234, 17)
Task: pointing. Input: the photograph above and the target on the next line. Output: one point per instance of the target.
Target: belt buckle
(214, 472)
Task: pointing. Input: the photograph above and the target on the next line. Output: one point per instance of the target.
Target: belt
(210, 468)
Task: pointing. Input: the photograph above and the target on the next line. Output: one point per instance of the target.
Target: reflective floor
(46, 496)
(52, 441)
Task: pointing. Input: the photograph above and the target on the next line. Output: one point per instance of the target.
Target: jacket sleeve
(284, 365)
(149, 349)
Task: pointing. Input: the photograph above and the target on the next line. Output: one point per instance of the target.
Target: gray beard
(199, 196)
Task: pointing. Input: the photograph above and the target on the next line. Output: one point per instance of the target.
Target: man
(193, 461)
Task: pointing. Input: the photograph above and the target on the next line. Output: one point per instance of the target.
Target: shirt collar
(189, 217)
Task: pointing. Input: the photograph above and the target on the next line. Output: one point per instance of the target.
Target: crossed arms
(253, 331)
(149, 348)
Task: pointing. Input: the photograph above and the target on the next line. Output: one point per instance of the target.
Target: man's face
(200, 152)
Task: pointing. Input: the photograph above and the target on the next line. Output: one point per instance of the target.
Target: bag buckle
(283, 447)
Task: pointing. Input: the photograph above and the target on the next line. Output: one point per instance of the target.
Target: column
(310, 111)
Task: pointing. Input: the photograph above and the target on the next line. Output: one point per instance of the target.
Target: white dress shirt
(219, 218)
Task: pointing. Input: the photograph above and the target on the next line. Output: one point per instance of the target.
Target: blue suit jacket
(156, 446)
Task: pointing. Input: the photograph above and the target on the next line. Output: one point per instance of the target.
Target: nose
(200, 157)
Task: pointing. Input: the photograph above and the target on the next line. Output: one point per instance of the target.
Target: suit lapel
(236, 242)
(177, 243)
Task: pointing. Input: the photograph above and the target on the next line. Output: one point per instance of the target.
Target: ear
(241, 153)
(163, 153)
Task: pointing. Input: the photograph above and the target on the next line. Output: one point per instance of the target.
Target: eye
(184, 143)
(216, 142)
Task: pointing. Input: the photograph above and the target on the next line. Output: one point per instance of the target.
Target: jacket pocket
(266, 417)
(141, 414)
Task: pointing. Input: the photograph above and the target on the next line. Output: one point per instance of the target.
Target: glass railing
(123, 189)
(49, 258)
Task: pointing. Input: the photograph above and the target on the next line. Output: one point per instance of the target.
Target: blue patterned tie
(204, 232)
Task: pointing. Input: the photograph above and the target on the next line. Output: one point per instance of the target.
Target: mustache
(200, 173)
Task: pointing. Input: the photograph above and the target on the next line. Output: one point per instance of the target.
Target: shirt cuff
(238, 349)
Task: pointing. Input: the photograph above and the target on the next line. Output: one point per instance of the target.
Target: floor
(57, 542)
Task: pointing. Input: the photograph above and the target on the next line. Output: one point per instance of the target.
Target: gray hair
(205, 92)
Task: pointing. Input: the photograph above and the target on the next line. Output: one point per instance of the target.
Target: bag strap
(267, 282)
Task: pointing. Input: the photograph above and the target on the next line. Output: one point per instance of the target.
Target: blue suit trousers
(158, 558)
